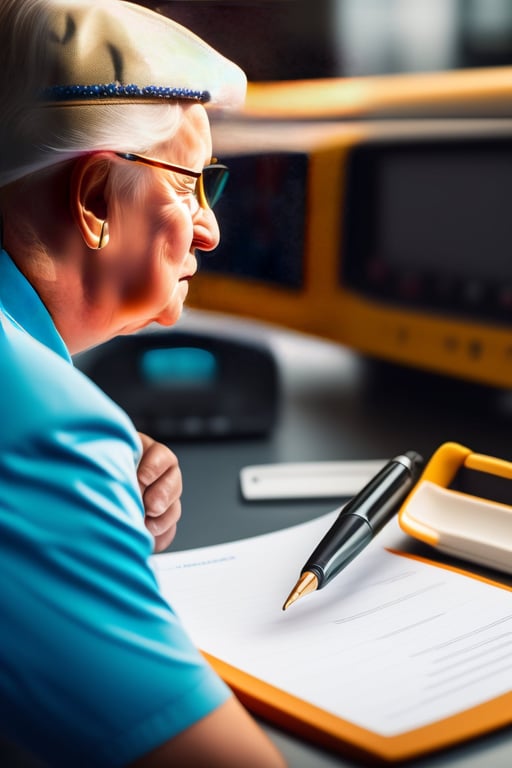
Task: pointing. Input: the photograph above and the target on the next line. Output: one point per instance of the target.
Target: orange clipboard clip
(462, 505)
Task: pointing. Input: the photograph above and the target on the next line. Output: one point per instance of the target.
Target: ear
(88, 200)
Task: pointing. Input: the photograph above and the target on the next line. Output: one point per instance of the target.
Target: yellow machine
(373, 212)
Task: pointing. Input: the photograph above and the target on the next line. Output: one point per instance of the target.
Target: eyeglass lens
(212, 181)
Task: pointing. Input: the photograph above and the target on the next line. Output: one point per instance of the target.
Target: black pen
(358, 522)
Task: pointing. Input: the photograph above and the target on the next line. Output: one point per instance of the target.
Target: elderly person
(105, 194)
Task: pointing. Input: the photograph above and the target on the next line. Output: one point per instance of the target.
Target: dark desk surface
(336, 406)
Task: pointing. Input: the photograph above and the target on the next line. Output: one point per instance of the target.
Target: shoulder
(56, 420)
(39, 386)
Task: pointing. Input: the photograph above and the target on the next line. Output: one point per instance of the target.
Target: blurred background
(386, 232)
(374, 214)
(301, 39)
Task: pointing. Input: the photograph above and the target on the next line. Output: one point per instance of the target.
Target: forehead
(192, 143)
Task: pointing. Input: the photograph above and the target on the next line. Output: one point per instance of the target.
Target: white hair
(123, 128)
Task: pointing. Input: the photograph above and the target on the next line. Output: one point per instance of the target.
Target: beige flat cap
(62, 60)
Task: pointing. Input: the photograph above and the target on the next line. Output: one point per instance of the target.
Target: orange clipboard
(193, 580)
(425, 522)
(331, 732)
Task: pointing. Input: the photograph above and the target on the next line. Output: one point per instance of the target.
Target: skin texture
(140, 276)
(160, 483)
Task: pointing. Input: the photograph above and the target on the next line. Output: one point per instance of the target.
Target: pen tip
(307, 583)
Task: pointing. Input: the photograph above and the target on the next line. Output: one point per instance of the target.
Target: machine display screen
(262, 217)
(430, 224)
(178, 367)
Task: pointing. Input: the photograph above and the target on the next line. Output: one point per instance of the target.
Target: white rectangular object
(307, 480)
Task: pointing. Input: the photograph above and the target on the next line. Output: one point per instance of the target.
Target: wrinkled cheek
(153, 284)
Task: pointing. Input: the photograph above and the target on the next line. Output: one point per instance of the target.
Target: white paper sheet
(390, 644)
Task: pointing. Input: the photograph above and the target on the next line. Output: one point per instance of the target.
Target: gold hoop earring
(104, 235)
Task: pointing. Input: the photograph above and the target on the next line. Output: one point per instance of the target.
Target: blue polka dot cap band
(113, 91)
(65, 63)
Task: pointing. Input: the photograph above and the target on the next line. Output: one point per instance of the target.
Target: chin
(171, 314)
(168, 319)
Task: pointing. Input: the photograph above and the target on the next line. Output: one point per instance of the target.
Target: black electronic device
(185, 385)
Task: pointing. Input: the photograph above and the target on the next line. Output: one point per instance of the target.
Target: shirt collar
(20, 302)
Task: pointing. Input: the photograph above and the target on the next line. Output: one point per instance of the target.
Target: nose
(206, 230)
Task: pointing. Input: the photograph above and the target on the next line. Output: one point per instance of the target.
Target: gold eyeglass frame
(200, 191)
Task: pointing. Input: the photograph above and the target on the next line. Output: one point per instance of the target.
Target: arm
(160, 483)
(226, 738)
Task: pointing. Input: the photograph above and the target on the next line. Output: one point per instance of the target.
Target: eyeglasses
(210, 181)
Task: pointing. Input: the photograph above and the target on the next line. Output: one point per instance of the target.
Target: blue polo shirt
(95, 667)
